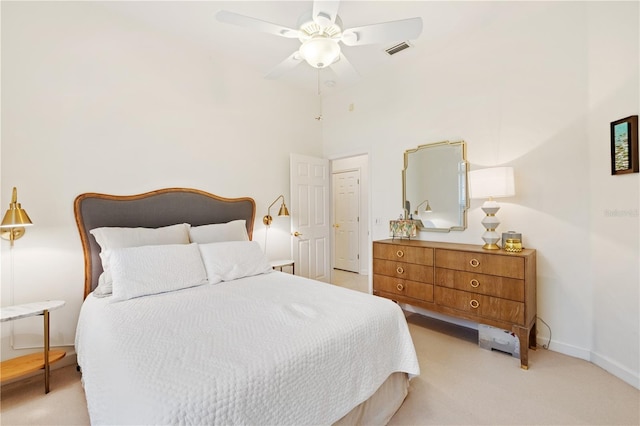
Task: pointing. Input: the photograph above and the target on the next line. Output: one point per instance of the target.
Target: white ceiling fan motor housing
(319, 39)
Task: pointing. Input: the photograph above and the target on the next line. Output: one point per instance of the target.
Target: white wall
(614, 92)
(92, 101)
(535, 88)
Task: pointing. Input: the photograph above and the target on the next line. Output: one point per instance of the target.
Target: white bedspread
(269, 349)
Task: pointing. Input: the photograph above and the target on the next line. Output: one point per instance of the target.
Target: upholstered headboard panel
(151, 210)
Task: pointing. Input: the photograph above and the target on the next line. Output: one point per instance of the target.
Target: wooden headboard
(153, 209)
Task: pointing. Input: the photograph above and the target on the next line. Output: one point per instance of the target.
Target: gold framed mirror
(435, 186)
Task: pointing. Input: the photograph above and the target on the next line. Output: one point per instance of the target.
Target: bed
(184, 322)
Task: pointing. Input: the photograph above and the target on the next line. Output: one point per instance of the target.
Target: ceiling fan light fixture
(320, 31)
(320, 52)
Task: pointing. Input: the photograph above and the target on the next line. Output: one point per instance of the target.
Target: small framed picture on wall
(624, 145)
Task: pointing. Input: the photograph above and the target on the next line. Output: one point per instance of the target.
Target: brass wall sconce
(282, 212)
(427, 209)
(14, 221)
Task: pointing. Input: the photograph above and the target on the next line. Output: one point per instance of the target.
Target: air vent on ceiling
(397, 48)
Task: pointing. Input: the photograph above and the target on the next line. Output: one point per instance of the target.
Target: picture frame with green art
(624, 145)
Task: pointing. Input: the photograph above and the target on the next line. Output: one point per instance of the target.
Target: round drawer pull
(400, 270)
(400, 287)
(474, 283)
(474, 262)
(399, 253)
(474, 303)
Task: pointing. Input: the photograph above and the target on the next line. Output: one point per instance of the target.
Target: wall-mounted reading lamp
(14, 221)
(282, 212)
(426, 209)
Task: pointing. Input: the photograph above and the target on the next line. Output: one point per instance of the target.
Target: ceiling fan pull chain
(319, 117)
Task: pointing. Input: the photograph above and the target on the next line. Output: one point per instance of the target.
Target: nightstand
(16, 367)
(279, 264)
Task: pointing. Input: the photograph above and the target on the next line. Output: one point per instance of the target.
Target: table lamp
(494, 182)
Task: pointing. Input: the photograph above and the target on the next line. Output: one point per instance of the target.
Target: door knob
(296, 234)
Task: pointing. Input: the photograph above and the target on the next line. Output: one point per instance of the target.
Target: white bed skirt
(382, 405)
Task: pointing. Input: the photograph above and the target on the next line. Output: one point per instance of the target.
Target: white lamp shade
(494, 182)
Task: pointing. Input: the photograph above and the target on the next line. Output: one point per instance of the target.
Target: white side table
(279, 264)
(16, 367)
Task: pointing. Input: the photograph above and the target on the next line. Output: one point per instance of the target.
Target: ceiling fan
(320, 31)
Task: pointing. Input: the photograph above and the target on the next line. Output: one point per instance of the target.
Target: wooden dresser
(492, 287)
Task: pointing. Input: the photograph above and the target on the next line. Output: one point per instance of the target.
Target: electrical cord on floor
(549, 341)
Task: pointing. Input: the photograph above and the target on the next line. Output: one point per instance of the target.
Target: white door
(346, 216)
(310, 221)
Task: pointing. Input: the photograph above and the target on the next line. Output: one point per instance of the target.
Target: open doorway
(350, 221)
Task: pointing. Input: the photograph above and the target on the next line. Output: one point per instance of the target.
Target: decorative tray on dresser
(492, 287)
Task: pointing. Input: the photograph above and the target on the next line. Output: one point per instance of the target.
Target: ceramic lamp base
(490, 223)
(491, 238)
(491, 247)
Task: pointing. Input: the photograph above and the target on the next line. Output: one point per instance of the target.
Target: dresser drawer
(402, 287)
(491, 285)
(419, 255)
(493, 264)
(480, 305)
(407, 271)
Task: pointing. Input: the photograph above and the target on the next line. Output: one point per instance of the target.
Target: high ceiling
(195, 21)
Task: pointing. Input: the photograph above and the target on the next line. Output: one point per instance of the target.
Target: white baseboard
(563, 348)
(601, 361)
(612, 367)
(616, 369)
(69, 359)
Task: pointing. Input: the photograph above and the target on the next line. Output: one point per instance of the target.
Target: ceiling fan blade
(404, 29)
(344, 70)
(288, 64)
(325, 12)
(256, 24)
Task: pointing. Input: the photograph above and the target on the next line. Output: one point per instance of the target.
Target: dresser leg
(523, 338)
(533, 344)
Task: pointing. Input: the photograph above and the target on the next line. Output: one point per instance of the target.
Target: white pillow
(110, 238)
(141, 271)
(233, 259)
(236, 230)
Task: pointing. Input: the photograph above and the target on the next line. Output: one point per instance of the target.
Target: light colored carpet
(460, 384)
